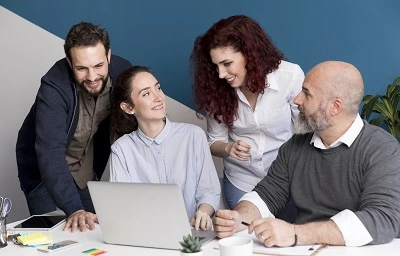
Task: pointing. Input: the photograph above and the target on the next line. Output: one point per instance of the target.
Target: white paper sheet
(258, 247)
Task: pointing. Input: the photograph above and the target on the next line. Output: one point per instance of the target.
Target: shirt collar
(107, 87)
(160, 137)
(347, 138)
(270, 81)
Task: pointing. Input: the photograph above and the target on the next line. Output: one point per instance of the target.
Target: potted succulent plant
(191, 246)
(386, 106)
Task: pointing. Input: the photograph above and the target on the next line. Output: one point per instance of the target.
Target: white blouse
(265, 129)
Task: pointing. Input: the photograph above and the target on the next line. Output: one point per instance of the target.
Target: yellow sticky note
(34, 238)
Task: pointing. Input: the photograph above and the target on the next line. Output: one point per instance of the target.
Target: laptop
(145, 215)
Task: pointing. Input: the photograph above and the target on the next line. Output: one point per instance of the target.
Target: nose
(91, 76)
(158, 96)
(298, 99)
(221, 73)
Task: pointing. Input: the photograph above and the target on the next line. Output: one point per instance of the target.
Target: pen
(241, 222)
(318, 247)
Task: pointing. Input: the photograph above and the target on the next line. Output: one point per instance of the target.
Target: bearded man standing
(342, 173)
(64, 141)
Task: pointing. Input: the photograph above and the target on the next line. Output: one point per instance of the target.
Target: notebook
(146, 215)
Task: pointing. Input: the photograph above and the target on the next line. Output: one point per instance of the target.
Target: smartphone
(58, 246)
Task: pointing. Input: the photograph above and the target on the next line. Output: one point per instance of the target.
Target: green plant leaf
(393, 89)
(381, 108)
(369, 106)
(367, 98)
(387, 106)
(190, 244)
(395, 130)
(396, 80)
(378, 121)
(390, 89)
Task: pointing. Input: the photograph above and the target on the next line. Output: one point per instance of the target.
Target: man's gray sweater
(364, 178)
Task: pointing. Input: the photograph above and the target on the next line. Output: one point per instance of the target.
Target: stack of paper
(33, 239)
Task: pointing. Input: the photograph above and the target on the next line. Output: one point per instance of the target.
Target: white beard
(316, 122)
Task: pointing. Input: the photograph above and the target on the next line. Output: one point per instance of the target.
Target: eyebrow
(146, 88)
(306, 90)
(79, 66)
(221, 62)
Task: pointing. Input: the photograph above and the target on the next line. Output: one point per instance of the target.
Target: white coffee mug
(236, 246)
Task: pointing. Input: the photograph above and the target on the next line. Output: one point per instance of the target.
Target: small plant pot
(200, 253)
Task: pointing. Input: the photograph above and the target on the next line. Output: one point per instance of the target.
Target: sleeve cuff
(353, 230)
(255, 199)
(210, 200)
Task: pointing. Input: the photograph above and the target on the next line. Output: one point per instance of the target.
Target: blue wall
(160, 34)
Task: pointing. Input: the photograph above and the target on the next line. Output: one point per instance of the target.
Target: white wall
(27, 52)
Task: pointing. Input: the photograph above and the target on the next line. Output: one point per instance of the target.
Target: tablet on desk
(40, 223)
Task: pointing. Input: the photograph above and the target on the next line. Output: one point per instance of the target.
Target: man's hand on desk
(225, 224)
(81, 220)
(269, 231)
(273, 232)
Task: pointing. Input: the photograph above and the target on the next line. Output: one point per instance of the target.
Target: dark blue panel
(160, 34)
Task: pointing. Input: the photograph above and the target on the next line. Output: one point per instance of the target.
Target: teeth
(158, 108)
(93, 83)
(230, 79)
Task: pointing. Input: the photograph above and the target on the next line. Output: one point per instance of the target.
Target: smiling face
(148, 99)
(230, 64)
(90, 67)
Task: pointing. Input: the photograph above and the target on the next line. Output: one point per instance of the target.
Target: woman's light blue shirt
(178, 155)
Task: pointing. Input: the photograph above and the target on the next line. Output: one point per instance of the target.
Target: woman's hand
(239, 150)
(201, 220)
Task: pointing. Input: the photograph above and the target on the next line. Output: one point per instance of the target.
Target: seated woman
(149, 148)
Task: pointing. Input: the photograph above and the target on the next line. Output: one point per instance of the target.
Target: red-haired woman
(246, 89)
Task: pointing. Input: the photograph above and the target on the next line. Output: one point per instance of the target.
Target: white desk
(94, 239)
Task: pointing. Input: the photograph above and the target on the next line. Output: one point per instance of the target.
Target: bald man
(342, 173)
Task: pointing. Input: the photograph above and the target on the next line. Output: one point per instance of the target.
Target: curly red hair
(215, 95)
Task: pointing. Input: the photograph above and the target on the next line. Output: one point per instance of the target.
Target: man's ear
(127, 108)
(69, 62)
(109, 56)
(337, 106)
